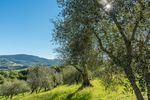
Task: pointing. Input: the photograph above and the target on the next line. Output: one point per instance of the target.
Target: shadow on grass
(53, 97)
(85, 96)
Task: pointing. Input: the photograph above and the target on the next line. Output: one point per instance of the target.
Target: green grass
(63, 92)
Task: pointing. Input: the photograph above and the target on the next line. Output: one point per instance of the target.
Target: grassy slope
(97, 92)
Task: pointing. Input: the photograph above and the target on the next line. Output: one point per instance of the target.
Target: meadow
(72, 92)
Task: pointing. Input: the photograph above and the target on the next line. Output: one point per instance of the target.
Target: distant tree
(57, 76)
(13, 74)
(71, 75)
(33, 78)
(22, 75)
(14, 87)
(40, 76)
(4, 73)
(1, 79)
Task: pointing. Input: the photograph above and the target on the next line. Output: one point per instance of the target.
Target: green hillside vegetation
(71, 92)
(21, 61)
(63, 83)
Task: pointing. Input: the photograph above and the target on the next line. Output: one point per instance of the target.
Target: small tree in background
(34, 77)
(13, 87)
(71, 75)
(40, 76)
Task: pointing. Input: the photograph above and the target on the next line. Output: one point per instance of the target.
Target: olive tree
(41, 76)
(71, 75)
(129, 21)
(119, 26)
(38, 77)
(13, 87)
(76, 40)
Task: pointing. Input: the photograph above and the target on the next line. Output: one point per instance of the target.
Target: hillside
(64, 92)
(21, 61)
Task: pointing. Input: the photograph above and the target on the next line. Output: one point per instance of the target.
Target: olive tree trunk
(86, 81)
(131, 78)
(147, 79)
(85, 76)
(147, 70)
(11, 96)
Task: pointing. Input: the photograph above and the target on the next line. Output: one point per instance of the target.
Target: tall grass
(69, 92)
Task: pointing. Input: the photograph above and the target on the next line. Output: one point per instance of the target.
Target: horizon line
(29, 55)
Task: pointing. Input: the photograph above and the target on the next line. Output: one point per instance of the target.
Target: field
(72, 92)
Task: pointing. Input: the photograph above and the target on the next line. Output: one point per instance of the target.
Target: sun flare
(108, 7)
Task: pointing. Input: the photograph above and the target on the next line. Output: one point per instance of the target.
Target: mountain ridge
(20, 61)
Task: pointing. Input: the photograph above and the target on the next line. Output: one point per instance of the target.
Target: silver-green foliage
(13, 87)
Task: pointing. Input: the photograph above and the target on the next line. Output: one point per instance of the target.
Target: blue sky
(25, 27)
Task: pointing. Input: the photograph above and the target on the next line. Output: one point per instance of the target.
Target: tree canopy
(117, 29)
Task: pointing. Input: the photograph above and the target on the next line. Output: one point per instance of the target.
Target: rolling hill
(21, 61)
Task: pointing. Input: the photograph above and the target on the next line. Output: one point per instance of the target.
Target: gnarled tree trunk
(147, 71)
(85, 77)
(11, 96)
(147, 79)
(131, 78)
(86, 81)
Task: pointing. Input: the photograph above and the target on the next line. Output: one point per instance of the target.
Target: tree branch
(100, 43)
(121, 30)
(78, 69)
(103, 48)
(137, 20)
(115, 59)
(148, 37)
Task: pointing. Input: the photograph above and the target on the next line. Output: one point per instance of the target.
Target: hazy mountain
(21, 61)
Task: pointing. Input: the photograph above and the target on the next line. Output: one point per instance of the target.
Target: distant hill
(21, 61)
